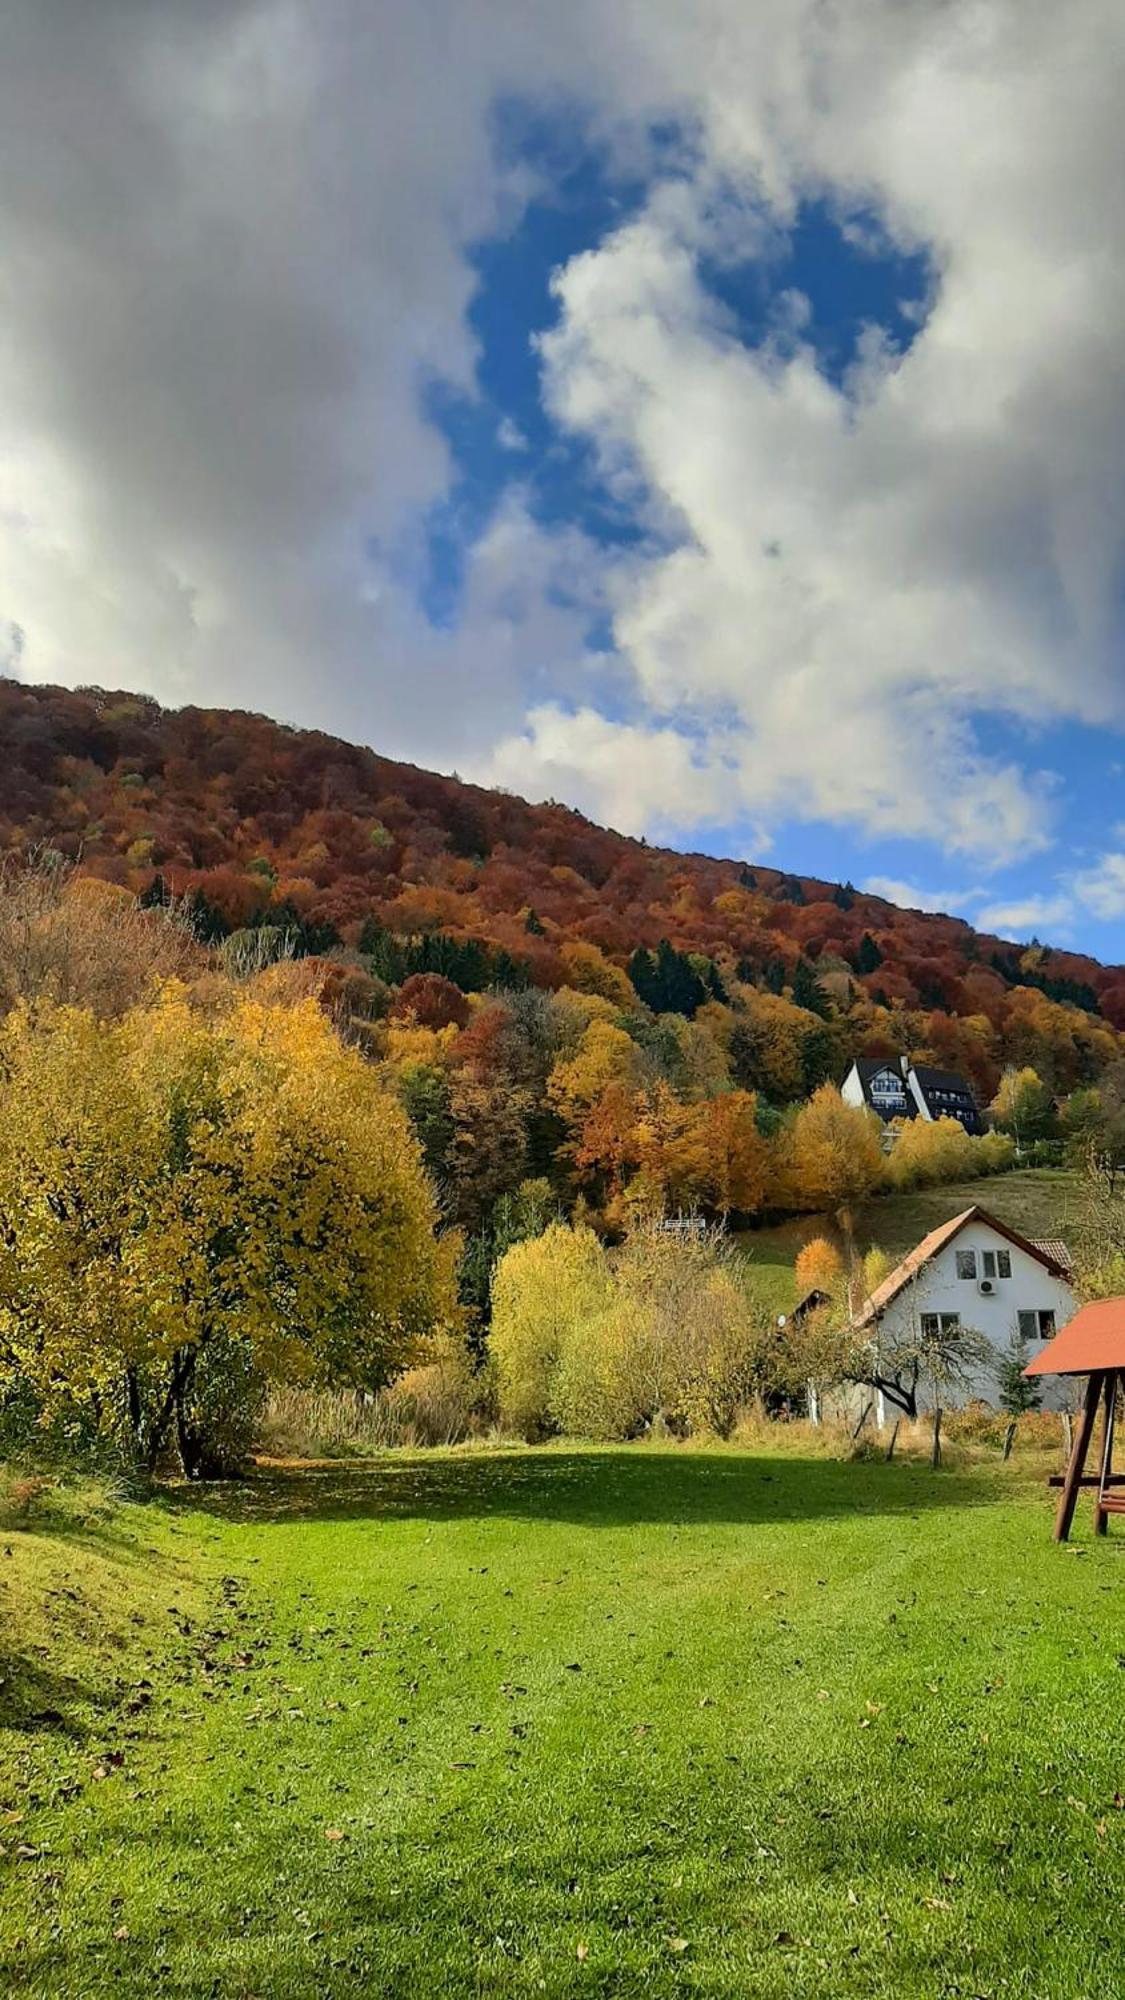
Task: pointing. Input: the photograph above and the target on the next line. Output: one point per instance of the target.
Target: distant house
(904, 1089)
(975, 1271)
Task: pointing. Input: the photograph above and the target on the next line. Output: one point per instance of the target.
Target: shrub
(819, 1267)
(545, 1292)
(663, 1334)
(927, 1154)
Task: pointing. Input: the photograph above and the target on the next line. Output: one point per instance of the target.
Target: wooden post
(1009, 1438)
(935, 1455)
(862, 1421)
(1081, 1446)
(1101, 1518)
(894, 1436)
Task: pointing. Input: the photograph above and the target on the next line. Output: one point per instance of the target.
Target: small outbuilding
(1091, 1344)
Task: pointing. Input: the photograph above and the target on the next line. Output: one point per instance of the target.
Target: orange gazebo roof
(1093, 1340)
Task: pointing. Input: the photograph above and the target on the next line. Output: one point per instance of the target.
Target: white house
(904, 1089)
(976, 1272)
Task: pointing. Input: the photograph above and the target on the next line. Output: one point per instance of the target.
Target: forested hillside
(269, 826)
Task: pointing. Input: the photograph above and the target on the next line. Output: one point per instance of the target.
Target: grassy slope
(617, 1721)
(1040, 1201)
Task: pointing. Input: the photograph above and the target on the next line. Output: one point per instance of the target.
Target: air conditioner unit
(986, 1287)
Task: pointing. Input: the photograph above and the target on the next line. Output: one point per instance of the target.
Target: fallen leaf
(582, 1951)
(678, 1944)
(333, 1833)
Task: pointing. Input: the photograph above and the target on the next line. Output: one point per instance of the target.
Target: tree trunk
(935, 1455)
(183, 1368)
(1068, 1432)
(188, 1440)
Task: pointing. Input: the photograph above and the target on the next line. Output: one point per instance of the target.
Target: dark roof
(869, 1066)
(937, 1239)
(811, 1302)
(941, 1079)
(928, 1077)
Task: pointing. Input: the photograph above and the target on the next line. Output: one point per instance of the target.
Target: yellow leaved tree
(187, 1198)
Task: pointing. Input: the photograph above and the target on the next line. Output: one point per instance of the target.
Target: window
(933, 1323)
(996, 1263)
(966, 1263)
(1037, 1325)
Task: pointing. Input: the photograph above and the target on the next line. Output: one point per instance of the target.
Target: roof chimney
(904, 1062)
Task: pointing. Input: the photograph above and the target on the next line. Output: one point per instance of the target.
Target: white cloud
(1097, 892)
(234, 252)
(1027, 916)
(1101, 889)
(509, 436)
(909, 897)
(636, 779)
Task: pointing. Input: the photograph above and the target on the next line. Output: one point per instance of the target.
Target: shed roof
(1093, 1339)
(915, 1261)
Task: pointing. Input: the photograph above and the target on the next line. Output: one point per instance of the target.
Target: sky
(710, 415)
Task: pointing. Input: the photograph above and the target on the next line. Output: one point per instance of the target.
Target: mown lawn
(1038, 1201)
(621, 1721)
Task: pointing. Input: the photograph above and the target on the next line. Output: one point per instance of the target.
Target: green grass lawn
(613, 1722)
(1038, 1201)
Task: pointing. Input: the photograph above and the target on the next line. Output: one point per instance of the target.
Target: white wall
(938, 1289)
(851, 1090)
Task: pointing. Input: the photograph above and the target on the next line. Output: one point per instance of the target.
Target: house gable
(938, 1240)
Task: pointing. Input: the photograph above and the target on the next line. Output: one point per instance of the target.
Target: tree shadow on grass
(35, 1699)
(610, 1488)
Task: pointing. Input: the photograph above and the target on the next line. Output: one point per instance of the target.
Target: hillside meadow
(714, 1721)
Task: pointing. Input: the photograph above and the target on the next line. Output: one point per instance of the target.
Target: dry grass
(442, 1404)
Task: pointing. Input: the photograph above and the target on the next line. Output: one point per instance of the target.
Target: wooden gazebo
(1091, 1344)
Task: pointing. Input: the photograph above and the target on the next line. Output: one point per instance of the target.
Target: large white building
(976, 1272)
(903, 1089)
